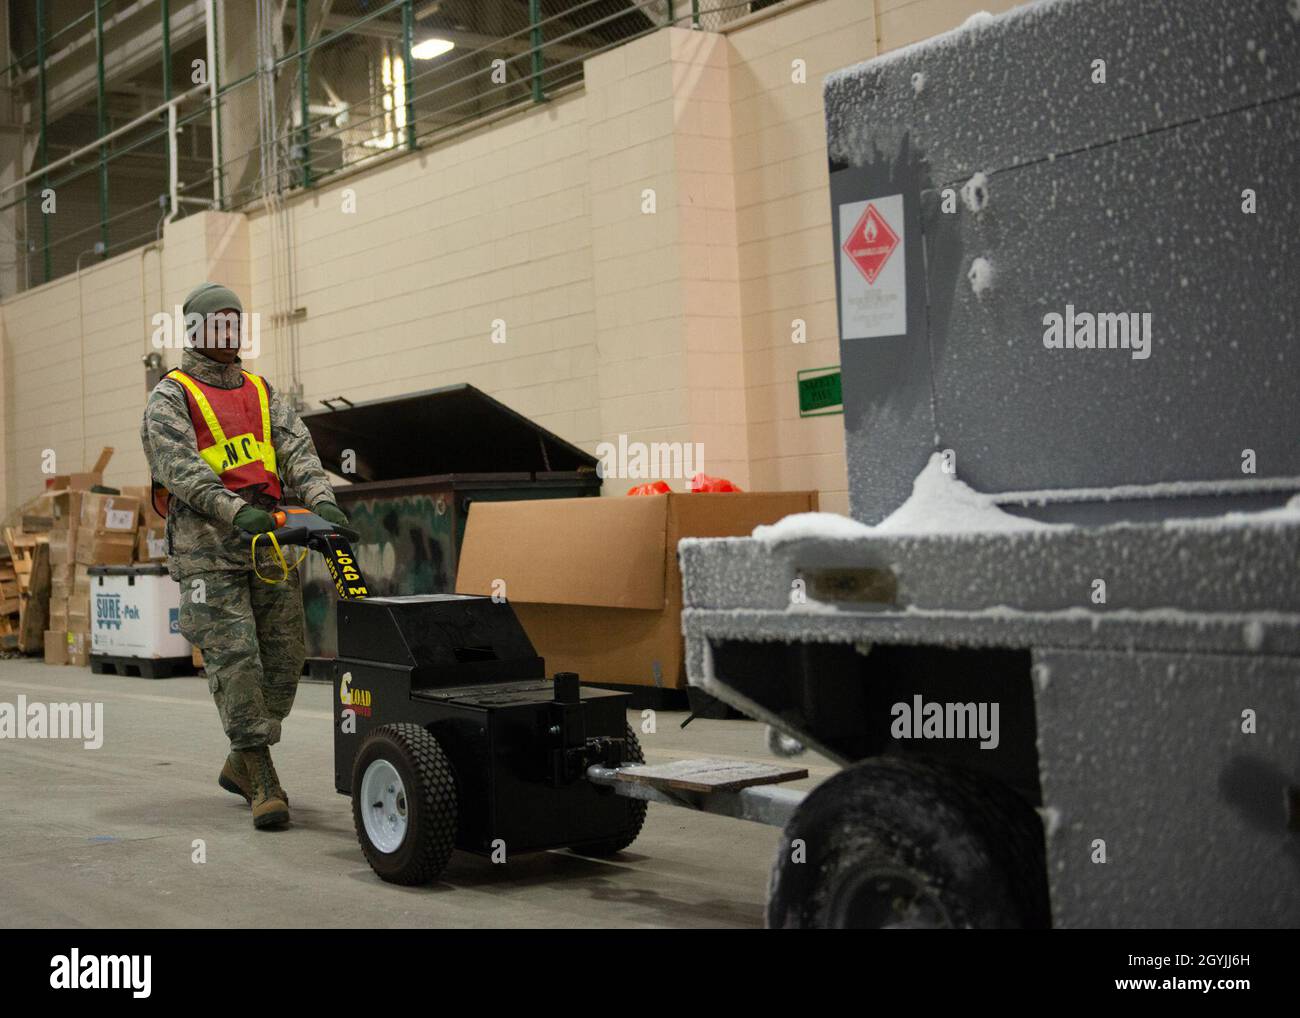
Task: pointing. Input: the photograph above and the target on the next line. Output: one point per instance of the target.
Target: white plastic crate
(135, 612)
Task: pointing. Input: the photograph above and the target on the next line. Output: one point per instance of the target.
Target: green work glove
(329, 511)
(254, 520)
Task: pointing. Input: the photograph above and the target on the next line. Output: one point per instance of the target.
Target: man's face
(220, 336)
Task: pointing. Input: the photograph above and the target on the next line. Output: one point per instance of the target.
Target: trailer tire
(635, 813)
(406, 762)
(893, 843)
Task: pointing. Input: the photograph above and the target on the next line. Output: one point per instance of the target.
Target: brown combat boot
(269, 810)
(234, 778)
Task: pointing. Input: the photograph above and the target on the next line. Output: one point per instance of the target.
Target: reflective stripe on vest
(231, 452)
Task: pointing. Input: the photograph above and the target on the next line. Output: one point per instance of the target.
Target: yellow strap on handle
(279, 554)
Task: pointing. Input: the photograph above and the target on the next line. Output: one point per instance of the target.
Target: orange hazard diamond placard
(870, 243)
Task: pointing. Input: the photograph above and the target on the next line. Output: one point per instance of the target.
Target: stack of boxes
(107, 534)
(10, 602)
(151, 534)
(60, 637)
(90, 528)
(87, 528)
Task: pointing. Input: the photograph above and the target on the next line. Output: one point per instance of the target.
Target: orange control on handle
(281, 516)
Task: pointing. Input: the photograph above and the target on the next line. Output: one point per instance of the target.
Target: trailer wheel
(635, 818)
(404, 804)
(896, 844)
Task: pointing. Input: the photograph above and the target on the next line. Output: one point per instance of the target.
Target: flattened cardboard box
(595, 582)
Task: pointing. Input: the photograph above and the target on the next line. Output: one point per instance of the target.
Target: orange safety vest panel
(233, 430)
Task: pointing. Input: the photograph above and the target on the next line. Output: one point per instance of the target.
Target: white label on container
(119, 519)
(873, 268)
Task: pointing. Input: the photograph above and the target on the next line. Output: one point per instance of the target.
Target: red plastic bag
(704, 483)
(654, 488)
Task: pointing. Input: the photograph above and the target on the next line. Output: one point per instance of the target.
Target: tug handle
(295, 525)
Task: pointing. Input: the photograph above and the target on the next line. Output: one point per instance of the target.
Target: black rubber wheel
(635, 818)
(423, 806)
(898, 844)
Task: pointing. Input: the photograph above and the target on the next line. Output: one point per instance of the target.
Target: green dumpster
(415, 465)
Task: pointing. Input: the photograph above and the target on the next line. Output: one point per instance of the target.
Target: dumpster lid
(455, 429)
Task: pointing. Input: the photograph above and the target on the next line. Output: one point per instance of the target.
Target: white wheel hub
(383, 806)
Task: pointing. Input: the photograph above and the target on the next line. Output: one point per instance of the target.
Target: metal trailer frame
(1154, 729)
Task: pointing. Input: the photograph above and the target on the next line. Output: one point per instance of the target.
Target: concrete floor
(103, 838)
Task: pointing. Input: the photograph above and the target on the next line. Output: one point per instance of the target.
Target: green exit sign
(819, 392)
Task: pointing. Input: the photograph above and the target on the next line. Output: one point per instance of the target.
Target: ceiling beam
(132, 42)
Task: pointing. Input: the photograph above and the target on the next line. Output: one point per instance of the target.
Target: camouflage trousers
(251, 636)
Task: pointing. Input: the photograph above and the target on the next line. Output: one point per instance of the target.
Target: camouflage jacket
(201, 533)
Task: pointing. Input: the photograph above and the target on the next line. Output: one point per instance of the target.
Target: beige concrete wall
(402, 293)
(664, 325)
(73, 378)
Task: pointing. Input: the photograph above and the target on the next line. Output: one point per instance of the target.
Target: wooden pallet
(141, 667)
(10, 603)
(34, 611)
(22, 547)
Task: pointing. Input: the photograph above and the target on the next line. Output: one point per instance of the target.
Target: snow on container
(1056, 650)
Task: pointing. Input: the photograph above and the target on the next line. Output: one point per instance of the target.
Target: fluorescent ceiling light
(427, 49)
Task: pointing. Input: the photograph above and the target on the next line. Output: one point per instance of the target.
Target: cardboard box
(142, 493)
(79, 615)
(62, 580)
(65, 509)
(595, 581)
(108, 549)
(85, 480)
(151, 544)
(59, 614)
(81, 581)
(63, 547)
(56, 647)
(78, 649)
(109, 514)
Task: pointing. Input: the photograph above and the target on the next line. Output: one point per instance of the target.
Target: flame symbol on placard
(869, 233)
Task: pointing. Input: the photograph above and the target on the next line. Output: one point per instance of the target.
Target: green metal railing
(346, 98)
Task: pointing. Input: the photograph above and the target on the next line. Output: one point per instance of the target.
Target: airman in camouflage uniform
(250, 631)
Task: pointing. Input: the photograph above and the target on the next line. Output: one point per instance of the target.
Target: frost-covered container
(1056, 650)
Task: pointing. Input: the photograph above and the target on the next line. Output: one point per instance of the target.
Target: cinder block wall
(671, 325)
